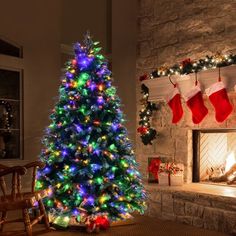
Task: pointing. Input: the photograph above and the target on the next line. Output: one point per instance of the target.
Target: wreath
(6, 116)
(6, 119)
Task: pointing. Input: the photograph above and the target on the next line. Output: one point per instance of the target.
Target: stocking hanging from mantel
(195, 103)
(219, 99)
(174, 102)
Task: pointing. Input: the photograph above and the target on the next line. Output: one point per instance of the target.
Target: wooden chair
(18, 199)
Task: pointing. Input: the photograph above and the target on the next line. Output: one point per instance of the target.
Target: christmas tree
(90, 165)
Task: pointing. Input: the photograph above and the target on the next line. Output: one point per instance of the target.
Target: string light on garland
(188, 66)
(147, 133)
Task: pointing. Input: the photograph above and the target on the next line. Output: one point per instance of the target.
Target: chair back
(16, 172)
(34, 165)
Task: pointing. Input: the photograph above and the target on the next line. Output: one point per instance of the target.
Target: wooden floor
(144, 226)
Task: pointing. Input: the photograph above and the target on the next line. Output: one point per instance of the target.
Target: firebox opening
(214, 156)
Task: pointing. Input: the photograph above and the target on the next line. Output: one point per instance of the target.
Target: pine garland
(147, 132)
(188, 66)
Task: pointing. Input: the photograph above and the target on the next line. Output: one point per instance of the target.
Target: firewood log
(229, 182)
(224, 178)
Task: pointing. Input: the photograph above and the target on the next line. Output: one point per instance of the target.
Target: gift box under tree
(176, 174)
(171, 174)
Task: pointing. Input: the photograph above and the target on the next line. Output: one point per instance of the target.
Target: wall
(35, 25)
(41, 26)
(118, 38)
(124, 29)
(171, 31)
(202, 209)
(80, 16)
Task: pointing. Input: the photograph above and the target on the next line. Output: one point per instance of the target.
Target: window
(11, 146)
(9, 49)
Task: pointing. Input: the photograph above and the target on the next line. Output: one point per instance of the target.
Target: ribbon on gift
(154, 167)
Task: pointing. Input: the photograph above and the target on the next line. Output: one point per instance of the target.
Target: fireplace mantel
(159, 88)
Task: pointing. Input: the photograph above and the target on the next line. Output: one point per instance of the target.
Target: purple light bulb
(92, 86)
(81, 191)
(46, 170)
(69, 75)
(75, 212)
(114, 126)
(100, 100)
(78, 128)
(90, 200)
(64, 153)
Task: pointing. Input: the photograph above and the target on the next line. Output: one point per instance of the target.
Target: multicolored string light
(188, 66)
(147, 133)
(90, 164)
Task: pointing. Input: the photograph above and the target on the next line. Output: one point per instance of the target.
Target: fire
(230, 160)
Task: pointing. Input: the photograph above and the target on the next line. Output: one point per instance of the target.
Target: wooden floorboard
(145, 226)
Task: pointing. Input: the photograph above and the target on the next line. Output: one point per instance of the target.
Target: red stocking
(195, 103)
(219, 99)
(174, 102)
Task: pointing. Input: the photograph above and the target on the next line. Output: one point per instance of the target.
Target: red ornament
(94, 224)
(102, 222)
(142, 130)
(143, 77)
(186, 62)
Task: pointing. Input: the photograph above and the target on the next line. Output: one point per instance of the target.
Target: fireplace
(214, 156)
(206, 151)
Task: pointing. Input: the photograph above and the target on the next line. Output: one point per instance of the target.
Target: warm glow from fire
(230, 160)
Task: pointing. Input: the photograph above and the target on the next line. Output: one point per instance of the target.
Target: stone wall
(169, 32)
(200, 210)
(174, 142)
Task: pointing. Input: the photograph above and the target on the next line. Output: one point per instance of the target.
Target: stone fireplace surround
(208, 206)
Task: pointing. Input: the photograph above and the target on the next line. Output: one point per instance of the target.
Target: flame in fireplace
(230, 160)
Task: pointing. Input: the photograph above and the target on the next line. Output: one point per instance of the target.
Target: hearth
(214, 160)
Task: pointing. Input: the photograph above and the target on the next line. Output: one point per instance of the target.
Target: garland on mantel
(147, 133)
(187, 66)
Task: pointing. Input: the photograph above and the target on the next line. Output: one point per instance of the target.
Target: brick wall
(170, 31)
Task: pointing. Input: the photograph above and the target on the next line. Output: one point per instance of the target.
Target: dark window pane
(9, 49)
(9, 114)
(9, 84)
(9, 145)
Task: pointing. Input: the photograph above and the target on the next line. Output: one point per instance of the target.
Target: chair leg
(3, 218)
(43, 211)
(26, 218)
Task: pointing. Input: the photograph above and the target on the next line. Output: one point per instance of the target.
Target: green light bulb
(83, 77)
(112, 147)
(99, 180)
(100, 56)
(111, 91)
(49, 203)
